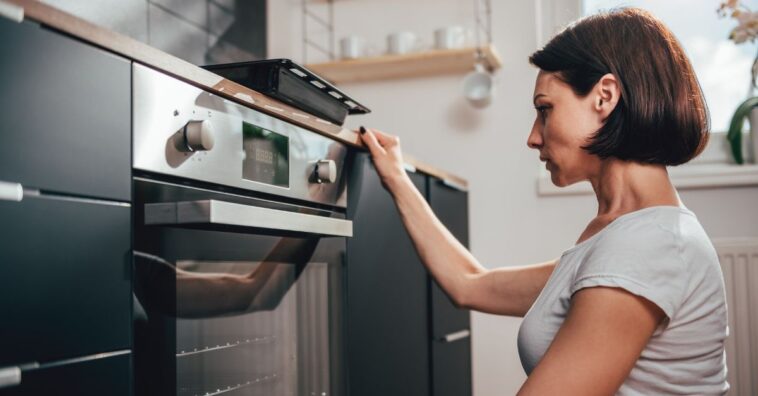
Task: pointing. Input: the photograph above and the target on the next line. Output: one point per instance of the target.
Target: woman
(637, 306)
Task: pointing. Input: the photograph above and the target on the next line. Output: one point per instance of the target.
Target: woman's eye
(542, 111)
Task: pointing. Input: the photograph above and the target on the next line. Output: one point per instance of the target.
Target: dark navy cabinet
(65, 243)
(405, 337)
(387, 323)
(65, 289)
(451, 326)
(97, 376)
(66, 113)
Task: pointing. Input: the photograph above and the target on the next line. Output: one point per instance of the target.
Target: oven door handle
(213, 212)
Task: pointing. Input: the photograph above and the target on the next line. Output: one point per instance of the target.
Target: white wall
(510, 224)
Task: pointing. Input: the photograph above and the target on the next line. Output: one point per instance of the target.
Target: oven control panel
(181, 130)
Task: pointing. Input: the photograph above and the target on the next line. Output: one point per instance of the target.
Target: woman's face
(565, 122)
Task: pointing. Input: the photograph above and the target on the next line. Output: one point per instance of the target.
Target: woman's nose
(535, 138)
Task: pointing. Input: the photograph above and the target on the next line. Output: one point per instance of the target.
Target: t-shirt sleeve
(644, 260)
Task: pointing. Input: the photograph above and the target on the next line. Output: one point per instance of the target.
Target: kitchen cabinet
(65, 279)
(66, 114)
(87, 377)
(65, 246)
(387, 319)
(451, 326)
(405, 336)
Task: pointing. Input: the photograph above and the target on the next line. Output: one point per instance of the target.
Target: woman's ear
(607, 93)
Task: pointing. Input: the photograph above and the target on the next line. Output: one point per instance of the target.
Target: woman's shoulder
(653, 225)
(658, 253)
(667, 241)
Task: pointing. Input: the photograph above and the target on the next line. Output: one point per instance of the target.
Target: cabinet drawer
(451, 367)
(91, 376)
(65, 279)
(66, 111)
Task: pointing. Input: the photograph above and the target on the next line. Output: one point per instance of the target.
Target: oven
(239, 248)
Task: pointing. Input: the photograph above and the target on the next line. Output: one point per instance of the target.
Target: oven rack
(233, 344)
(232, 388)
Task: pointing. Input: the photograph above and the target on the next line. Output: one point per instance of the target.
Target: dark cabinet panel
(451, 207)
(66, 111)
(451, 367)
(65, 289)
(451, 360)
(387, 321)
(96, 377)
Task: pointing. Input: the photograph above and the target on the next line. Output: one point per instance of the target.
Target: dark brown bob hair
(661, 117)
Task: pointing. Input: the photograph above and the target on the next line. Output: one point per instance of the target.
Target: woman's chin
(557, 180)
(562, 181)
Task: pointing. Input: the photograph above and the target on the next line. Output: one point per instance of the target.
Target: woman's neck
(625, 186)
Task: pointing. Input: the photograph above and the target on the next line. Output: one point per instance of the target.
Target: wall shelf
(419, 64)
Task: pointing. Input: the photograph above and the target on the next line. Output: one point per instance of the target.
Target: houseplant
(746, 30)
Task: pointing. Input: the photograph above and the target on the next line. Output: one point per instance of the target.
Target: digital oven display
(266, 156)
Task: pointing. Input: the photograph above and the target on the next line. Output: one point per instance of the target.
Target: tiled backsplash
(198, 31)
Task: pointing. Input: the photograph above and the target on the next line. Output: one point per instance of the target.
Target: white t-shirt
(663, 254)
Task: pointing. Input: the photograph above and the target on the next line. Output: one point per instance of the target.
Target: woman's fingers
(384, 139)
(385, 154)
(370, 140)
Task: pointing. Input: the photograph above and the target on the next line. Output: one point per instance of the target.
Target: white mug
(450, 37)
(402, 43)
(352, 47)
(478, 87)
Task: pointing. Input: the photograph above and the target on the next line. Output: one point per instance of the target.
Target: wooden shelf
(420, 64)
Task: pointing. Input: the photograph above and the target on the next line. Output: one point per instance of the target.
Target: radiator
(739, 262)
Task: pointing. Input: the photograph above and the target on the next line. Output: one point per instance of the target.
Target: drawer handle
(458, 335)
(454, 185)
(10, 376)
(11, 191)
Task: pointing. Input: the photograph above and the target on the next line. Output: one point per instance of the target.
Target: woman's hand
(386, 155)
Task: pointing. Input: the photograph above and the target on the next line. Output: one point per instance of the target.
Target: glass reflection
(242, 326)
(204, 290)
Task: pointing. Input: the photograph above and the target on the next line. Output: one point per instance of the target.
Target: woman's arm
(505, 291)
(597, 346)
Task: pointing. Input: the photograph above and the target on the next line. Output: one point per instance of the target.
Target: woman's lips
(546, 161)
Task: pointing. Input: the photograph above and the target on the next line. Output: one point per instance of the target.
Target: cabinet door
(451, 367)
(92, 376)
(65, 279)
(451, 344)
(387, 321)
(66, 113)
(451, 207)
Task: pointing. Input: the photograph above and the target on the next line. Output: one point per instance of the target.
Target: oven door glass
(238, 313)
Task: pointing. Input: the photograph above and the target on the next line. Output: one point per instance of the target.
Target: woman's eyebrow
(537, 97)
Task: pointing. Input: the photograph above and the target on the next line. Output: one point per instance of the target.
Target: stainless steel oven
(239, 248)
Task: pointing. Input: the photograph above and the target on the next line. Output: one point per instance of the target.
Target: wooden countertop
(144, 54)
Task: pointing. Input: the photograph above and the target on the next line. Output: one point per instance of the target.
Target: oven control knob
(198, 136)
(325, 171)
